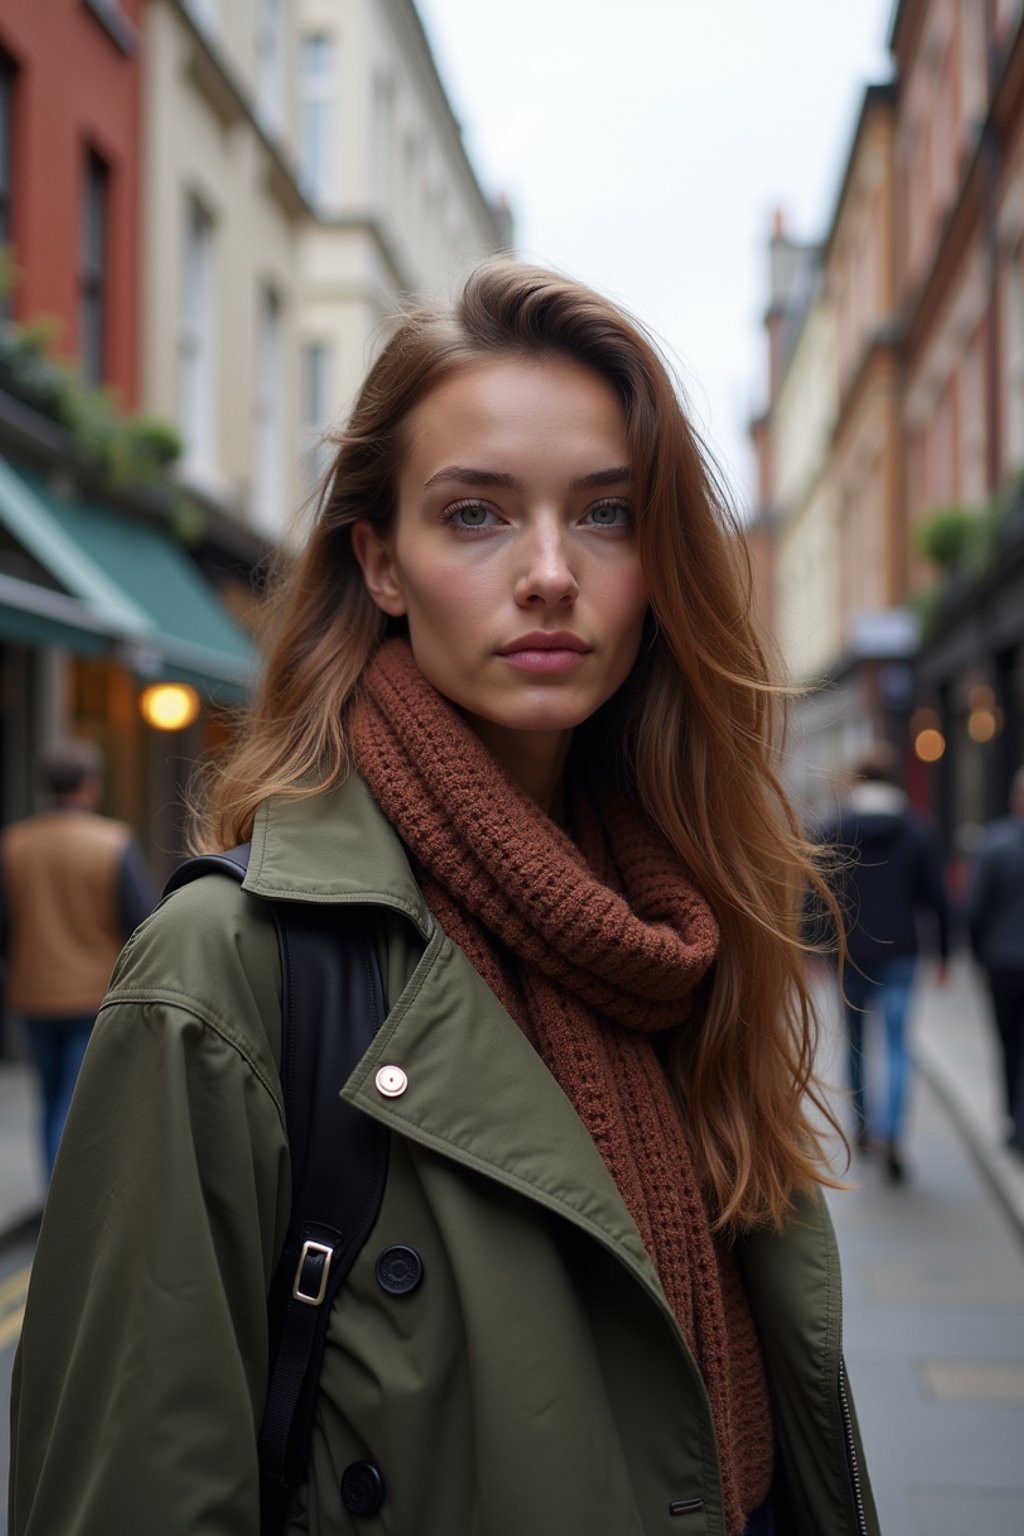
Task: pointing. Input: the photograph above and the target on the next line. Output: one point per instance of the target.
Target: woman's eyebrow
(465, 474)
(613, 476)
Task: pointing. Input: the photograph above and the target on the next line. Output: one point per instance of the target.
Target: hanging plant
(944, 537)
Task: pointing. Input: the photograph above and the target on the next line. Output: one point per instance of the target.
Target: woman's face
(513, 557)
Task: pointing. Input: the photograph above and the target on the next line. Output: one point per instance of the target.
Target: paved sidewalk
(954, 1045)
(933, 1281)
(21, 1170)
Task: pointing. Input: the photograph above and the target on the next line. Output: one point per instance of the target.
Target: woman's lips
(547, 651)
(546, 659)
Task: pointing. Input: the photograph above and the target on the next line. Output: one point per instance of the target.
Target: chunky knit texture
(593, 946)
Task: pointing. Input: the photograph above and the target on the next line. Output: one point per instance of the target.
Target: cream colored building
(807, 575)
(399, 208)
(833, 444)
(221, 214)
(807, 618)
(302, 175)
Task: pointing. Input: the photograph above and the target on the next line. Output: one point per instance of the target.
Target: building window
(196, 339)
(316, 93)
(206, 13)
(268, 418)
(92, 269)
(7, 76)
(1007, 13)
(1014, 358)
(973, 465)
(316, 410)
(384, 138)
(270, 56)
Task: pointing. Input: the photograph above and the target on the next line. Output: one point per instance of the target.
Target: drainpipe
(991, 160)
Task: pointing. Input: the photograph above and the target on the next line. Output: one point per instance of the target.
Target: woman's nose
(547, 574)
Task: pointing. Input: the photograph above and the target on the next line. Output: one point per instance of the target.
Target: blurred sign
(883, 634)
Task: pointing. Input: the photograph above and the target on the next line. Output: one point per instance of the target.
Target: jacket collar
(333, 847)
(477, 1091)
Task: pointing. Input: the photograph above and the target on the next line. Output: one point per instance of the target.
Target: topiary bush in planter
(945, 537)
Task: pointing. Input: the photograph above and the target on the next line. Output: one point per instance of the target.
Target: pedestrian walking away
(889, 878)
(995, 920)
(516, 729)
(73, 886)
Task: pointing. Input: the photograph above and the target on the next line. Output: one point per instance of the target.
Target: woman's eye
(470, 514)
(609, 514)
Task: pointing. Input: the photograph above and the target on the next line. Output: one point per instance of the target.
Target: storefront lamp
(929, 745)
(982, 724)
(169, 706)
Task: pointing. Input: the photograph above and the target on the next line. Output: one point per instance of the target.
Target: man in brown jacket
(73, 887)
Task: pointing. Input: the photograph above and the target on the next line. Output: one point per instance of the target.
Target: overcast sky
(643, 145)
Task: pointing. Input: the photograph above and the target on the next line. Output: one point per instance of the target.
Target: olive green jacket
(534, 1381)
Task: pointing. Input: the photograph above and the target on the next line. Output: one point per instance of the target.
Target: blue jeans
(57, 1047)
(761, 1522)
(888, 988)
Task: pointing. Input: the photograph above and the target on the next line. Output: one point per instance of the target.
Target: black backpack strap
(234, 863)
(332, 1005)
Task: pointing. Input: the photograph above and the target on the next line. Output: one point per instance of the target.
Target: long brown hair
(697, 734)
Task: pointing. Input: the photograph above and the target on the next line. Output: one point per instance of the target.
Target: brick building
(919, 284)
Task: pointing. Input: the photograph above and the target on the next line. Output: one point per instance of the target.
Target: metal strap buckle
(309, 1249)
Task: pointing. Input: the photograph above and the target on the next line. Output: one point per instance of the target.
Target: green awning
(36, 615)
(125, 583)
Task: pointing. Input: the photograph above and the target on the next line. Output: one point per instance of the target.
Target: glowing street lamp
(169, 706)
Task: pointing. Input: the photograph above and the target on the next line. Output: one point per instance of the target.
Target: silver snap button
(391, 1082)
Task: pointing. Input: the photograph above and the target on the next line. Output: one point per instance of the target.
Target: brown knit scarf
(593, 947)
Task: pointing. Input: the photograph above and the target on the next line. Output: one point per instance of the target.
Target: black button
(362, 1488)
(399, 1270)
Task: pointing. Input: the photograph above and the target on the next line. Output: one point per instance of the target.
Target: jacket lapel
(478, 1092)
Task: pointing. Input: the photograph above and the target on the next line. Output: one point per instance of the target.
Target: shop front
(968, 722)
(109, 630)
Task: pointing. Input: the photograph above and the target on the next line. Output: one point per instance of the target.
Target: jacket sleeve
(931, 892)
(136, 897)
(980, 894)
(141, 1372)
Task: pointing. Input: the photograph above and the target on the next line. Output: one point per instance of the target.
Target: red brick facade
(76, 93)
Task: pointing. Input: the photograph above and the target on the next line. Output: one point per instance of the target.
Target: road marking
(10, 1328)
(13, 1291)
(14, 1286)
(973, 1381)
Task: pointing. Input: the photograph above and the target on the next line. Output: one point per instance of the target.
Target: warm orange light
(982, 724)
(169, 706)
(929, 745)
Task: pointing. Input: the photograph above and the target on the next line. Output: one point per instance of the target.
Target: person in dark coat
(893, 876)
(995, 919)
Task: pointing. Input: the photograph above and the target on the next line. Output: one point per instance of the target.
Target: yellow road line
(15, 1286)
(10, 1328)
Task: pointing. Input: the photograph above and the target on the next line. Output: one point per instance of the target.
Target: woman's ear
(380, 573)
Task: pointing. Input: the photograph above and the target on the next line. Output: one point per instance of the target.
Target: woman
(516, 709)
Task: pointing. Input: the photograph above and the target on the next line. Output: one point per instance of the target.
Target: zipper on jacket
(851, 1451)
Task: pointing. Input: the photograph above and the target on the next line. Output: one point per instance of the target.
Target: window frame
(93, 266)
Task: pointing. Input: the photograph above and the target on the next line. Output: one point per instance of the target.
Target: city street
(934, 1289)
